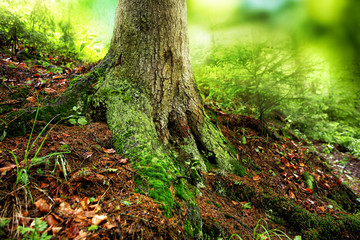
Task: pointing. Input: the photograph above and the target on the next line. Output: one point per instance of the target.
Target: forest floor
(72, 178)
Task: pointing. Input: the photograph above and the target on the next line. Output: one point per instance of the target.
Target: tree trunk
(150, 82)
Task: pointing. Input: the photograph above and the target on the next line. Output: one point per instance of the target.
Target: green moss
(21, 92)
(223, 153)
(193, 223)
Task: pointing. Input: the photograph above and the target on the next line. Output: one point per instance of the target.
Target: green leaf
(244, 140)
(93, 227)
(297, 238)
(40, 225)
(82, 121)
(3, 222)
(82, 46)
(72, 121)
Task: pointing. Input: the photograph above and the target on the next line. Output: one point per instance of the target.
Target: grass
(23, 175)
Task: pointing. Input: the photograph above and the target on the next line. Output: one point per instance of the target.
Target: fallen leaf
(110, 151)
(256, 178)
(308, 190)
(123, 161)
(49, 90)
(82, 235)
(322, 209)
(81, 218)
(98, 219)
(235, 203)
(65, 209)
(7, 168)
(44, 185)
(42, 205)
(291, 194)
(31, 99)
(109, 225)
(51, 221)
(56, 230)
(85, 203)
(73, 232)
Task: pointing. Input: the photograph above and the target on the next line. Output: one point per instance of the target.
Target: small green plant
(246, 205)
(93, 227)
(3, 223)
(78, 118)
(328, 148)
(22, 169)
(33, 233)
(238, 183)
(262, 232)
(235, 235)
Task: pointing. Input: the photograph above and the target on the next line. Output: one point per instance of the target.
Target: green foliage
(3, 223)
(33, 233)
(78, 118)
(93, 227)
(250, 79)
(44, 27)
(235, 235)
(309, 179)
(261, 231)
(22, 170)
(271, 81)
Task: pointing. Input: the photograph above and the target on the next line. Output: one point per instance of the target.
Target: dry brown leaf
(65, 209)
(31, 99)
(322, 209)
(44, 185)
(42, 205)
(109, 225)
(80, 218)
(110, 151)
(56, 230)
(81, 236)
(51, 221)
(256, 178)
(85, 203)
(123, 161)
(7, 168)
(291, 194)
(97, 219)
(49, 90)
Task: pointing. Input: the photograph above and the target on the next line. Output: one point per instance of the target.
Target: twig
(6, 86)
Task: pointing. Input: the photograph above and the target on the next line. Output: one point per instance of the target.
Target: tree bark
(150, 48)
(150, 72)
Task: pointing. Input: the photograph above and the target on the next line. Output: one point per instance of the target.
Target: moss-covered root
(218, 150)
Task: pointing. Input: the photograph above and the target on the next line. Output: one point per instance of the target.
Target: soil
(74, 180)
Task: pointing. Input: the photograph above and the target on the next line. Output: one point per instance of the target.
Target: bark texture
(150, 47)
(150, 64)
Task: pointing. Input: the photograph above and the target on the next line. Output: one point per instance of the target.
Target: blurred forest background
(294, 61)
